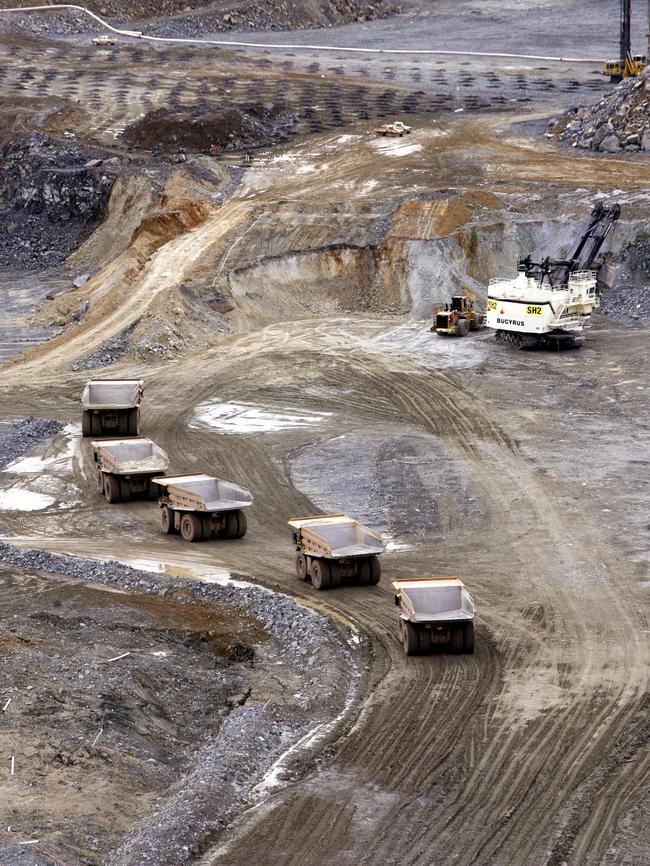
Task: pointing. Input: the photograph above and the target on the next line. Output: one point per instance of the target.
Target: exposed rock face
(619, 122)
(49, 199)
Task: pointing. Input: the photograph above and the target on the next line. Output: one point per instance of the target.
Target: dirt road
(321, 388)
(531, 751)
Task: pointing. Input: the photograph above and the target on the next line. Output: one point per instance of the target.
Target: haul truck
(111, 406)
(333, 547)
(432, 611)
(201, 506)
(127, 467)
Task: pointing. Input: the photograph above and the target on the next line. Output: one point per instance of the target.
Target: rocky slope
(190, 16)
(51, 195)
(619, 122)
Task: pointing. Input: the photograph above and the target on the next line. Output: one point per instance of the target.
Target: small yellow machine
(617, 71)
(457, 317)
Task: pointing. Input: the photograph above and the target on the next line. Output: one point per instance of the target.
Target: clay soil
(278, 309)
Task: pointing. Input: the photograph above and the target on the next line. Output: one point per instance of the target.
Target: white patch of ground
(237, 418)
(19, 499)
(395, 147)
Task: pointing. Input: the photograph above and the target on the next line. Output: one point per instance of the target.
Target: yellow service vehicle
(457, 317)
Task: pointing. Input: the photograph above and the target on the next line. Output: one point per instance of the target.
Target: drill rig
(551, 301)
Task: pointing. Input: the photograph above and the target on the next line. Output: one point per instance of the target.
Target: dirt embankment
(203, 129)
(128, 684)
(160, 727)
(184, 16)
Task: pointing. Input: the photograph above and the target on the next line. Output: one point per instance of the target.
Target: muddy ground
(278, 308)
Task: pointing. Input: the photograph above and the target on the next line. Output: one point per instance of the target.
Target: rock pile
(50, 194)
(16, 437)
(619, 122)
(203, 129)
(193, 17)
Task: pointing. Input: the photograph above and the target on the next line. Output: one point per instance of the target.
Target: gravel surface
(626, 303)
(228, 765)
(109, 353)
(16, 437)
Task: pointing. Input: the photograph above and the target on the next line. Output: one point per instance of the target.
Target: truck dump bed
(337, 535)
(112, 393)
(204, 493)
(132, 456)
(427, 599)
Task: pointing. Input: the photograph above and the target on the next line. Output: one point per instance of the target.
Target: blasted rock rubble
(187, 17)
(619, 122)
(228, 766)
(16, 437)
(51, 196)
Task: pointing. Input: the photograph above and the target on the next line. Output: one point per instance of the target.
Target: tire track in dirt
(434, 402)
(482, 750)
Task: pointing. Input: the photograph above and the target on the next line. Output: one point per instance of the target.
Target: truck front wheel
(86, 426)
(301, 565)
(112, 490)
(410, 638)
(167, 520)
(321, 577)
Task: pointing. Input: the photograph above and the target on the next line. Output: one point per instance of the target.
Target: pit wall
(400, 276)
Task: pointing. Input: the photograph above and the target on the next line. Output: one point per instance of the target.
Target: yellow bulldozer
(456, 318)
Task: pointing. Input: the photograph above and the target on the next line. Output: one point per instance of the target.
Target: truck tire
(235, 524)
(95, 424)
(100, 482)
(242, 521)
(375, 570)
(462, 327)
(123, 424)
(206, 526)
(301, 566)
(321, 577)
(364, 572)
(410, 638)
(424, 641)
(153, 492)
(125, 489)
(133, 422)
(230, 525)
(457, 638)
(167, 520)
(112, 489)
(191, 527)
(86, 423)
(468, 642)
(336, 575)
